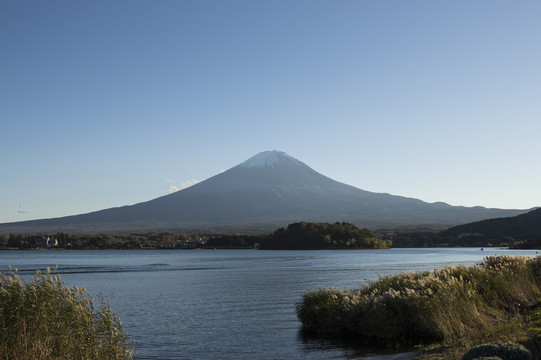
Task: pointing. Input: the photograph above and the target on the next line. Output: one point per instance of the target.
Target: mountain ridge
(525, 226)
(268, 190)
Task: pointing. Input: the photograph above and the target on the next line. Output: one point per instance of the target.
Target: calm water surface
(228, 304)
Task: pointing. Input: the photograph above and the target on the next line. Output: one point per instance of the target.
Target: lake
(229, 304)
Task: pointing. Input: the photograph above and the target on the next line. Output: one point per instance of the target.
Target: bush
(444, 305)
(498, 350)
(45, 319)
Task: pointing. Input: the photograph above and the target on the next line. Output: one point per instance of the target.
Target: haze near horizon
(109, 104)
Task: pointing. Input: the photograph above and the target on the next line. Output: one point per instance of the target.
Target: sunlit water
(228, 304)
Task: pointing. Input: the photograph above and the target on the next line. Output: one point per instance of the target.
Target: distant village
(103, 241)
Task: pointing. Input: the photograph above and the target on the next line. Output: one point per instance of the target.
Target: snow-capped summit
(270, 159)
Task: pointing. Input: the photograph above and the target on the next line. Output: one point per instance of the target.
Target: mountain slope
(268, 190)
(524, 226)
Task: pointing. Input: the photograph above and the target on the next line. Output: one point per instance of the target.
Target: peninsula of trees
(304, 235)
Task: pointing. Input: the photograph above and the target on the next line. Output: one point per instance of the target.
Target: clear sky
(110, 103)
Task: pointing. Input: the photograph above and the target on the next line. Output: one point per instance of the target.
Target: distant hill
(524, 227)
(269, 190)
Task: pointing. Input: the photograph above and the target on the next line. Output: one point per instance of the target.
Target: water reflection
(353, 348)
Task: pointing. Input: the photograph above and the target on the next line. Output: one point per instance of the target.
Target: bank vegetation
(44, 319)
(452, 308)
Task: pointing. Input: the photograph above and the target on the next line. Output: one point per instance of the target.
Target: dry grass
(45, 319)
(454, 307)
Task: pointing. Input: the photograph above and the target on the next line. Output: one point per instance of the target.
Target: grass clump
(46, 319)
(453, 305)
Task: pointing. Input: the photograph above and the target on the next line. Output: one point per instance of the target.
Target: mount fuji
(269, 190)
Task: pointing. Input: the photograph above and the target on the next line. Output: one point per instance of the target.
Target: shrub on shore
(45, 319)
(498, 350)
(466, 304)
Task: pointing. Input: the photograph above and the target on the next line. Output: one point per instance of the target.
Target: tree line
(306, 236)
(102, 241)
(301, 235)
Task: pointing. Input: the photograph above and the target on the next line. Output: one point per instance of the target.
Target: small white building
(50, 243)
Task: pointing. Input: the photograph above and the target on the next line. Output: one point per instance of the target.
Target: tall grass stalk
(448, 305)
(46, 319)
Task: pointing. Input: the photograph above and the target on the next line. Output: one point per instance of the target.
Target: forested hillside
(304, 235)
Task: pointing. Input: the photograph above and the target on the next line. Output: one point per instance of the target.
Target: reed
(46, 319)
(467, 305)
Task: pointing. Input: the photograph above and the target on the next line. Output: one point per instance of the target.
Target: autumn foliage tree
(316, 235)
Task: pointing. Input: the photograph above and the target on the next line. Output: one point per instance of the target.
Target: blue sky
(110, 103)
